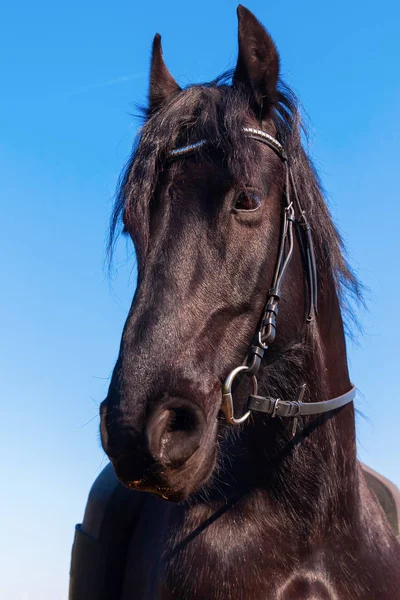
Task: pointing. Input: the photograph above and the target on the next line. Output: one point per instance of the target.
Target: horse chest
(171, 558)
(230, 565)
(198, 577)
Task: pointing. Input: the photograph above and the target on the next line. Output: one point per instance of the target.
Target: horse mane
(215, 111)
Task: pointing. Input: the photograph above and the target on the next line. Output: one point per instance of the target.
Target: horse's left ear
(257, 68)
(162, 85)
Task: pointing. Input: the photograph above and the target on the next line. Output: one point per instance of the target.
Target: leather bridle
(293, 212)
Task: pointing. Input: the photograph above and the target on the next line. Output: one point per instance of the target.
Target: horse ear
(162, 85)
(257, 68)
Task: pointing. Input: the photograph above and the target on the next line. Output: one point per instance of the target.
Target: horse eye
(247, 200)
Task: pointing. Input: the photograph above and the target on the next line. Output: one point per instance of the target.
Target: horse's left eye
(247, 200)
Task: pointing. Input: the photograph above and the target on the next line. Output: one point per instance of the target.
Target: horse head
(206, 203)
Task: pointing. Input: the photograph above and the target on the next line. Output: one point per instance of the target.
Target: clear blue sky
(71, 73)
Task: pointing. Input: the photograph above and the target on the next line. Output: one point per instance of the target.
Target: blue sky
(71, 75)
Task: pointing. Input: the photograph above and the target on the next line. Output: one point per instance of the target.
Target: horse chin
(175, 484)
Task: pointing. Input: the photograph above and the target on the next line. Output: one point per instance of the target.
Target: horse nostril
(181, 420)
(174, 432)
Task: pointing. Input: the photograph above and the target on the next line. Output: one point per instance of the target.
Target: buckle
(276, 402)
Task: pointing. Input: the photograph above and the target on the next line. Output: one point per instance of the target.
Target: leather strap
(287, 408)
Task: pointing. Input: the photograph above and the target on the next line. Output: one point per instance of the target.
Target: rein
(266, 333)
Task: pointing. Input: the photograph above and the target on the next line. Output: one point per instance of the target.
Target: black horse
(265, 500)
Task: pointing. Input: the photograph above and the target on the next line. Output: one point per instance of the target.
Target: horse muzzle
(172, 455)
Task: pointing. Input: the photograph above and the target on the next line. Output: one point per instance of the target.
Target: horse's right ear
(162, 85)
(257, 69)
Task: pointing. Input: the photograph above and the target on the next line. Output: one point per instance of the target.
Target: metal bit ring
(227, 401)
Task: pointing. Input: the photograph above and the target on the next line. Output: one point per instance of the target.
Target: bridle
(293, 212)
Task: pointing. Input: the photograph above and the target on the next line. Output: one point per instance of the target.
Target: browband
(257, 134)
(186, 149)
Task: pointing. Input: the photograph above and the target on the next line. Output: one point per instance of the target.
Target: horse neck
(317, 468)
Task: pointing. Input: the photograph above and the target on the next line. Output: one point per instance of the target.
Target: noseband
(293, 212)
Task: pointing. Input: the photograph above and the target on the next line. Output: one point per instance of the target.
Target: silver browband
(251, 131)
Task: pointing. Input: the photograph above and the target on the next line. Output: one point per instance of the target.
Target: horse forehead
(200, 172)
(252, 164)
